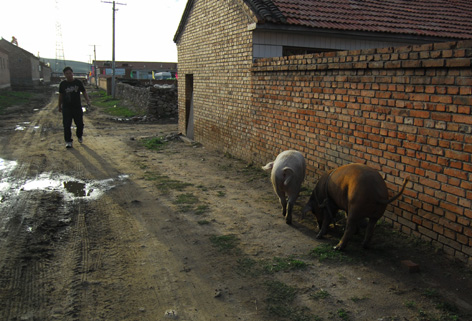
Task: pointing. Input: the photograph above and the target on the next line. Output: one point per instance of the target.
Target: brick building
(403, 110)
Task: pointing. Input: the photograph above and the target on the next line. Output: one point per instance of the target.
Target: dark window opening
(293, 51)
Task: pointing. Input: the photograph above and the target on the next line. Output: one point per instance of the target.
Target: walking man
(71, 106)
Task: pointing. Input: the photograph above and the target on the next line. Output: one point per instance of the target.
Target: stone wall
(158, 101)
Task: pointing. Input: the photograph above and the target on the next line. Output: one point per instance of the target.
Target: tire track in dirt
(21, 269)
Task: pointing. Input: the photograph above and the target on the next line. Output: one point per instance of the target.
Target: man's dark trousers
(69, 114)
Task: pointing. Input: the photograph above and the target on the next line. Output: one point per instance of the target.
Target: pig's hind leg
(351, 227)
(369, 232)
(283, 202)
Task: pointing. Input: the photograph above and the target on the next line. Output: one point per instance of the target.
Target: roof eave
(355, 33)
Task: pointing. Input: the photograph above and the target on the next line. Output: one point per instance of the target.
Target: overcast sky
(144, 29)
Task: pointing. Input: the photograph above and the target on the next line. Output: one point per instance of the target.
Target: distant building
(138, 70)
(45, 73)
(25, 68)
(4, 70)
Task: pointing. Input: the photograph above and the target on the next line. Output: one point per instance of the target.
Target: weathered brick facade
(218, 53)
(404, 111)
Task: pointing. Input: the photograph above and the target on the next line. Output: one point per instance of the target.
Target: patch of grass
(164, 183)
(221, 194)
(202, 187)
(248, 266)
(10, 98)
(280, 296)
(326, 252)
(343, 314)
(441, 304)
(187, 198)
(410, 304)
(284, 264)
(357, 299)
(186, 202)
(203, 222)
(320, 295)
(279, 303)
(202, 209)
(224, 243)
(253, 172)
(154, 143)
(110, 106)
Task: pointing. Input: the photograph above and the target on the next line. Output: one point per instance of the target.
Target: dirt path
(184, 233)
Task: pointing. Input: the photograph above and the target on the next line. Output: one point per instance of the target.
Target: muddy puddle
(71, 188)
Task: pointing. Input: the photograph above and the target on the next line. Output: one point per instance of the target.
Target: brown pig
(355, 188)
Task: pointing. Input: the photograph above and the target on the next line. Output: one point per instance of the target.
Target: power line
(113, 53)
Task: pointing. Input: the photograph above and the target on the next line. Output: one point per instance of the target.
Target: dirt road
(111, 230)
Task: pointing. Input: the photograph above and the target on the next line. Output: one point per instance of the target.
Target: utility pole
(113, 44)
(60, 61)
(95, 65)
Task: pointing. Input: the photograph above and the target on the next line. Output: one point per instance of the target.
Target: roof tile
(435, 18)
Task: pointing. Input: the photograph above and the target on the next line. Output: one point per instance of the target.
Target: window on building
(293, 51)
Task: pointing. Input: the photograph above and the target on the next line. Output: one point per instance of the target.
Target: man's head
(69, 73)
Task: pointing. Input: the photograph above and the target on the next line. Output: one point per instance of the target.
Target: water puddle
(70, 187)
(76, 188)
(6, 168)
(24, 125)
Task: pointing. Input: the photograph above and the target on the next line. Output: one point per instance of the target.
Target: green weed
(187, 198)
(410, 304)
(284, 264)
(320, 295)
(154, 143)
(164, 183)
(279, 303)
(202, 209)
(248, 266)
(343, 314)
(224, 243)
(11, 98)
(326, 252)
(111, 106)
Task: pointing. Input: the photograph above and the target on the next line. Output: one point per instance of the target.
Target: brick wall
(404, 111)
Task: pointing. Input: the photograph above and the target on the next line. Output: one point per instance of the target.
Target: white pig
(287, 176)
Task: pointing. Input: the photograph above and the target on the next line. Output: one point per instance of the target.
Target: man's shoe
(69, 145)
(80, 140)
